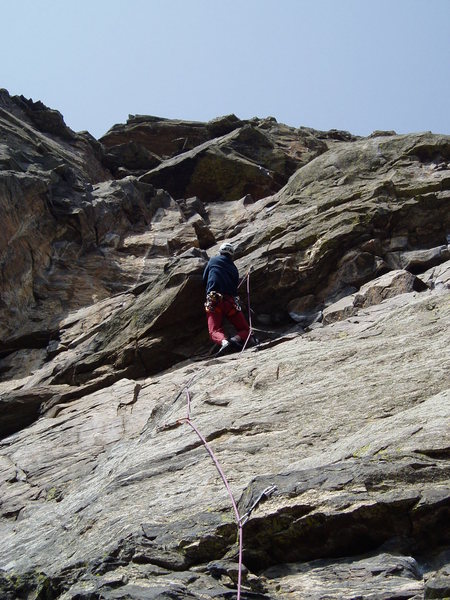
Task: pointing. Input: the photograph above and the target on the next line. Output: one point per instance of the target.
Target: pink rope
(243, 279)
(250, 331)
(218, 467)
(227, 485)
(188, 405)
(240, 535)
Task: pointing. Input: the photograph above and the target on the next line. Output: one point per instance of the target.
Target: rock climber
(221, 279)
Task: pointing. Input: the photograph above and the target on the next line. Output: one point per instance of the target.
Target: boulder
(438, 584)
(418, 261)
(386, 286)
(304, 310)
(224, 168)
(165, 137)
(342, 309)
(437, 277)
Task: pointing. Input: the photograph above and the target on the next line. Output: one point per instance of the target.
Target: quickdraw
(212, 300)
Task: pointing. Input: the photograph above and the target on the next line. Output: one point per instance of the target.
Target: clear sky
(357, 65)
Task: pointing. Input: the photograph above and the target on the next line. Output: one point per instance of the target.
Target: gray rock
(437, 277)
(381, 576)
(418, 260)
(344, 485)
(342, 309)
(386, 286)
(438, 585)
(333, 436)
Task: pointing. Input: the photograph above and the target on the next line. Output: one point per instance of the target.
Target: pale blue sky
(357, 65)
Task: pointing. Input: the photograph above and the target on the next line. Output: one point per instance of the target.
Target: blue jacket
(221, 275)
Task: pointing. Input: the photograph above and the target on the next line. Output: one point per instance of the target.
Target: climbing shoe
(236, 341)
(226, 347)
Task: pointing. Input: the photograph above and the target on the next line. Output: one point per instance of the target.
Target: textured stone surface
(438, 277)
(334, 434)
(111, 461)
(383, 576)
(249, 160)
(386, 286)
(224, 143)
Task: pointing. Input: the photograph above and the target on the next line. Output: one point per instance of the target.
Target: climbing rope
(250, 331)
(239, 519)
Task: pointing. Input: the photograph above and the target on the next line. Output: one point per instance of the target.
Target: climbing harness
(213, 299)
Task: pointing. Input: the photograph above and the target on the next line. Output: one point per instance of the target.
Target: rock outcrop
(333, 432)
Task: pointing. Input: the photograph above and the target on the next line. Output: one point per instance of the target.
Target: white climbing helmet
(227, 248)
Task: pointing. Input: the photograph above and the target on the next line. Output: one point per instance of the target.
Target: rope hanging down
(250, 331)
(239, 519)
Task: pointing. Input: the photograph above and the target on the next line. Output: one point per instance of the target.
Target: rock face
(332, 433)
(223, 159)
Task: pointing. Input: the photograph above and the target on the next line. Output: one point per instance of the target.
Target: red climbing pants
(226, 308)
